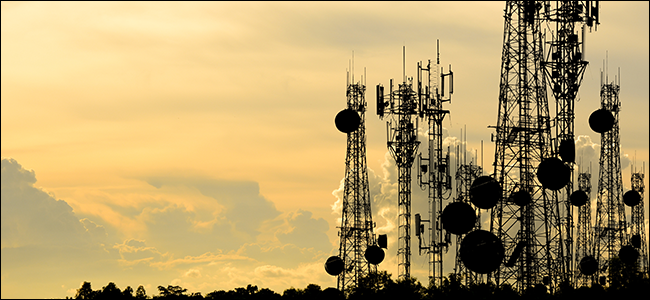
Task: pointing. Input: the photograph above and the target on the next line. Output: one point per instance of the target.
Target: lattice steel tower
(584, 233)
(637, 232)
(434, 172)
(565, 66)
(610, 232)
(465, 175)
(356, 231)
(402, 106)
(526, 218)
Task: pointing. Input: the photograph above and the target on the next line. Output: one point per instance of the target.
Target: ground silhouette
(624, 280)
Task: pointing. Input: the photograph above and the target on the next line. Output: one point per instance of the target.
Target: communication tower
(584, 251)
(402, 107)
(466, 174)
(358, 250)
(434, 172)
(565, 66)
(526, 216)
(610, 232)
(638, 236)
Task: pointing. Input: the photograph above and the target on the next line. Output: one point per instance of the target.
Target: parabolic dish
(521, 197)
(481, 251)
(601, 120)
(458, 218)
(334, 265)
(485, 192)
(374, 255)
(553, 174)
(579, 198)
(588, 265)
(347, 121)
(631, 198)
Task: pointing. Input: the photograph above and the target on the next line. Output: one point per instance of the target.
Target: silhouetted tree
(85, 291)
(293, 293)
(110, 291)
(127, 292)
(140, 293)
(371, 285)
(221, 294)
(266, 294)
(171, 291)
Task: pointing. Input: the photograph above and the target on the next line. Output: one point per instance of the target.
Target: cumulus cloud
(32, 216)
(306, 231)
(245, 208)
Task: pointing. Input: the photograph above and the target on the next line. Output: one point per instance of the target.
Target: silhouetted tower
(565, 66)
(526, 217)
(466, 174)
(610, 232)
(434, 169)
(358, 250)
(402, 106)
(638, 235)
(584, 250)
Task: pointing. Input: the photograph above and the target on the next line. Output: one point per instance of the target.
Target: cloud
(306, 232)
(245, 209)
(193, 273)
(586, 152)
(32, 216)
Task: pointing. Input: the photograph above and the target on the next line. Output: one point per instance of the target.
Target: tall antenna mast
(359, 250)
(610, 232)
(402, 107)
(435, 168)
(565, 65)
(525, 217)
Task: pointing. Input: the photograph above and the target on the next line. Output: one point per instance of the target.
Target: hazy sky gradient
(194, 143)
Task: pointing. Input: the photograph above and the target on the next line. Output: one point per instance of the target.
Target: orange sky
(196, 144)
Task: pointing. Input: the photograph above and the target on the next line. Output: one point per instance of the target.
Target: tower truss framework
(356, 231)
(584, 231)
(565, 66)
(638, 223)
(435, 167)
(465, 175)
(523, 138)
(402, 108)
(610, 232)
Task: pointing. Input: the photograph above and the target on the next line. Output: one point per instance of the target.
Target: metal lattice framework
(465, 176)
(435, 167)
(402, 106)
(638, 223)
(565, 67)
(523, 138)
(584, 235)
(356, 231)
(610, 232)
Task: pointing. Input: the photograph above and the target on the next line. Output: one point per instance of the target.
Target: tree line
(623, 282)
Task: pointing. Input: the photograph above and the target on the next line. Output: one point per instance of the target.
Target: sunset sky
(194, 144)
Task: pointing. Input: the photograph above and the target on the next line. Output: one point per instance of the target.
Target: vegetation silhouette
(624, 280)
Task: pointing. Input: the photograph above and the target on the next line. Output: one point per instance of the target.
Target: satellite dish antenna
(485, 192)
(347, 121)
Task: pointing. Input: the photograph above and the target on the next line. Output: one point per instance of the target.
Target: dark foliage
(624, 281)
